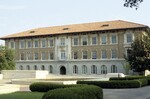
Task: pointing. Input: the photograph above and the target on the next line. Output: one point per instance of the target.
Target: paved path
(136, 93)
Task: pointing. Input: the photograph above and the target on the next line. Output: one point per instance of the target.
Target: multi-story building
(80, 49)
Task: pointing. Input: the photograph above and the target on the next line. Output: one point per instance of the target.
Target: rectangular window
(22, 44)
(113, 53)
(22, 56)
(63, 55)
(94, 40)
(75, 55)
(29, 44)
(36, 56)
(94, 55)
(36, 44)
(12, 44)
(113, 39)
(75, 41)
(85, 55)
(84, 41)
(104, 54)
(103, 39)
(62, 41)
(29, 56)
(51, 43)
(43, 55)
(51, 56)
(129, 38)
(43, 43)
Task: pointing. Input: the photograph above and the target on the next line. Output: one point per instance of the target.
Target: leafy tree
(132, 3)
(139, 54)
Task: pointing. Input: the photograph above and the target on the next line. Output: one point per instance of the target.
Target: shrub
(80, 92)
(144, 82)
(46, 86)
(114, 84)
(127, 78)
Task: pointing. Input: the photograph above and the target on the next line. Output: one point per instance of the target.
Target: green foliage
(46, 86)
(127, 78)
(114, 84)
(144, 82)
(132, 3)
(80, 92)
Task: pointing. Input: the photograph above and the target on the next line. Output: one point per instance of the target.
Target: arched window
(84, 69)
(35, 67)
(94, 69)
(43, 67)
(21, 67)
(28, 67)
(75, 69)
(113, 69)
(103, 69)
(50, 69)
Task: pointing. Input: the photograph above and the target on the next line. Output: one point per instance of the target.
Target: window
(114, 53)
(84, 69)
(104, 54)
(35, 67)
(113, 39)
(12, 45)
(94, 40)
(103, 69)
(43, 43)
(28, 67)
(21, 67)
(22, 56)
(75, 41)
(75, 69)
(129, 38)
(43, 67)
(29, 56)
(51, 56)
(36, 44)
(50, 69)
(63, 55)
(29, 44)
(103, 39)
(22, 44)
(94, 55)
(94, 69)
(36, 56)
(84, 55)
(62, 41)
(43, 55)
(51, 43)
(84, 40)
(113, 69)
(75, 55)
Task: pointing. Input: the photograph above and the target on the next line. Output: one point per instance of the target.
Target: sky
(21, 15)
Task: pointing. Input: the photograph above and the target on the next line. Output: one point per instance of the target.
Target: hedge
(127, 78)
(144, 82)
(80, 92)
(46, 86)
(114, 84)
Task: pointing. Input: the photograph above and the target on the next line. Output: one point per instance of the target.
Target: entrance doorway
(62, 70)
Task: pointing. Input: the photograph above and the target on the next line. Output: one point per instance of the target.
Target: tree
(139, 54)
(132, 3)
(7, 61)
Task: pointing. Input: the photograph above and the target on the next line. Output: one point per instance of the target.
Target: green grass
(22, 95)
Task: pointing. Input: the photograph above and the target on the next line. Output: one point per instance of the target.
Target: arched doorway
(62, 70)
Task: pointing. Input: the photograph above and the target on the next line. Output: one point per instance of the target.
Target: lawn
(22, 95)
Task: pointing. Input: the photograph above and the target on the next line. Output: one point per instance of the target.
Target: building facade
(81, 49)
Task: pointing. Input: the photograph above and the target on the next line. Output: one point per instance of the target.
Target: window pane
(22, 45)
(43, 56)
(94, 55)
(29, 44)
(94, 69)
(94, 40)
(103, 39)
(113, 39)
(12, 45)
(62, 41)
(103, 69)
(51, 56)
(75, 40)
(51, 43)
(84, 69)
(84, 41)
(63, 55)
(104, 54)
(114, 54)
(36, 56)
(43, 43)
(36, 44)
(129, 38)
(84, 54)
(75, 69)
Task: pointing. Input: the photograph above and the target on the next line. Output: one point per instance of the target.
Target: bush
(46, 86)
(144, 82)
(80, 92)
(127, 78)
(114, 84)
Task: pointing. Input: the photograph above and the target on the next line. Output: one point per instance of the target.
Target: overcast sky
(20, 15)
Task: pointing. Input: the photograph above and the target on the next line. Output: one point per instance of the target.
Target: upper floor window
(29, 44)
(29, 56)
(43, 55)
(62, 41)
(84, 55)
(75, 41)
(104, 54)
(63, 55)
(129, 38)
(94, 40)
(43, 43)
(84, 41)
(51, 55)
(113, 53)
(22, 44)
(36, 43)
(22, 56)
(75, 55)
(36, 56)
(51, 43)
(113, 39)
(12, 45)
(94, 55)
(103, 39)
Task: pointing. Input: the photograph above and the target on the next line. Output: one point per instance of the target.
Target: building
(80, 49)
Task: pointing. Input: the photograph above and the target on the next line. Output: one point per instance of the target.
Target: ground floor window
(113, 69)
(43, 67)
(21, 67)
(84, 69)
(35, 67)
(28, 67)
(94, 69)
(50, 69)
(103, 69)
(75, 69)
